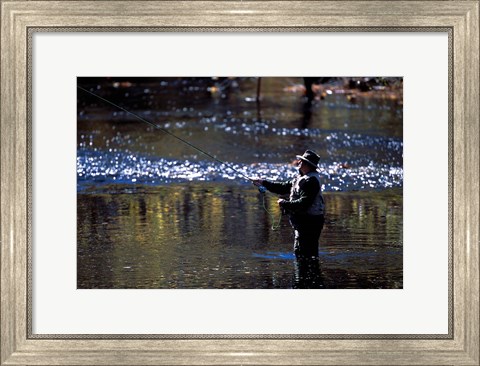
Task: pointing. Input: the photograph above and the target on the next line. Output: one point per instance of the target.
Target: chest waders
(309, 224)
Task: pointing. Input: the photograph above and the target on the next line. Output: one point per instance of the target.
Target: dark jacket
(309, 188)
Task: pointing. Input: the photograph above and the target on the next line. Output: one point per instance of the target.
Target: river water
(154, 213)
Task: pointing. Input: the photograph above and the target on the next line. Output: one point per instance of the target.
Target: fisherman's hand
(258, 182)
(281, 202)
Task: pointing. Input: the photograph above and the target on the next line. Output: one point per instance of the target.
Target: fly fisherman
(305, 206)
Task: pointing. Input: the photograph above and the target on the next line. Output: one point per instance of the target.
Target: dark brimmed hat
(310, 157)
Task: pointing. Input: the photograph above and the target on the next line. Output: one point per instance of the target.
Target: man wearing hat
(305, 206)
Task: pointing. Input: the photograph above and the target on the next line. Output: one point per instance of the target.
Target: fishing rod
(261, 188)
(167, 132)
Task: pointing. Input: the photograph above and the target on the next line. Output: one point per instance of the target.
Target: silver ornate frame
(21, 19)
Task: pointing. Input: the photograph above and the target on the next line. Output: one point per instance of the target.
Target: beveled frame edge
(16, 346)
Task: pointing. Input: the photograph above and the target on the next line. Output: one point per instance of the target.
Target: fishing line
(275, 225)
(262, 189)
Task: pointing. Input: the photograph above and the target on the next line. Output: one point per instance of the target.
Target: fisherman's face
(303, 167)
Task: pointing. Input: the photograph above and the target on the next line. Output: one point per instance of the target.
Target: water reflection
(219, 236)
(307, 274)
(307, 116)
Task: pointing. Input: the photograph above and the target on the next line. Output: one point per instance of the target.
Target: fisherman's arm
(309, 189)
(275, 187)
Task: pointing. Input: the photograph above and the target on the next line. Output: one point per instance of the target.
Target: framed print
(131, 134)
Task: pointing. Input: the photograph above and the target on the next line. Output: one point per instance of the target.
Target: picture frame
(20, 18)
